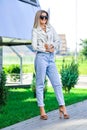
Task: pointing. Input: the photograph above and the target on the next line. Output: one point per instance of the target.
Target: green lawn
(21, 105)
(82, 64)
(28, 66)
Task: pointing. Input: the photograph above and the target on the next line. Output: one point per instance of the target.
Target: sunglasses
(43, 17)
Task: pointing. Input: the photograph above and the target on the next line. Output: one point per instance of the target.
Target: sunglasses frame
(43, 17)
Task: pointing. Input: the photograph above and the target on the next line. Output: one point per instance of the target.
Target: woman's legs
(40, 67)
(56, 83)
(44, 64)
(55, 80)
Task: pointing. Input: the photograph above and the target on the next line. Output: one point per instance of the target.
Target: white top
(39, 38)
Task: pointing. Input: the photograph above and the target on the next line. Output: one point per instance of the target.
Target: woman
(45, 41)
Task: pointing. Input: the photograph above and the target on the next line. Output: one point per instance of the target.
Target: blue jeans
(45, 65)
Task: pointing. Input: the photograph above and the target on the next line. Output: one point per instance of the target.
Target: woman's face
(43, 18)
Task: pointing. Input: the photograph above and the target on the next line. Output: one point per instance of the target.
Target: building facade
(63, 48)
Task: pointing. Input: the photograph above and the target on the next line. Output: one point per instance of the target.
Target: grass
(82, 64)
(28, 66)
(21, 105)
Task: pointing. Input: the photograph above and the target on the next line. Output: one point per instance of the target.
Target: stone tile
(77, 121)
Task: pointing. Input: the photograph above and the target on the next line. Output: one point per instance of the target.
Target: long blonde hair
(37, 18)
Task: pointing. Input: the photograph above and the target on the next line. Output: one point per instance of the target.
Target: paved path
(82, 82)
(78, 120)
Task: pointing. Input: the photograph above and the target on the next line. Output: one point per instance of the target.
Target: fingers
(49, 48)
(46, 46)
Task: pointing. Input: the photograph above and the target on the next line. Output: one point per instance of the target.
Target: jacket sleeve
(37, 44)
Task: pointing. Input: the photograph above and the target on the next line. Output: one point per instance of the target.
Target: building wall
(63, 49)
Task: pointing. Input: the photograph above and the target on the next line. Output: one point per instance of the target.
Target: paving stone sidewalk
(77, 121)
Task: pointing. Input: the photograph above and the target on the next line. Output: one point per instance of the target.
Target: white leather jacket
(39, 38)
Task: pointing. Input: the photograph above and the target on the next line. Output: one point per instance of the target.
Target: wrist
(47, 50)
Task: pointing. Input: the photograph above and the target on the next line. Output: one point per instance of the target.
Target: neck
(43, 27)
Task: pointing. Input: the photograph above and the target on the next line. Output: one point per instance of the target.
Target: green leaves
(3, 89)
(69, 75)
(84, 45)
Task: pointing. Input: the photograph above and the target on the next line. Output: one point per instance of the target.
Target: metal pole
(76, 15)
(21, 74)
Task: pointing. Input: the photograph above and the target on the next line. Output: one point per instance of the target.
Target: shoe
(44, 117)
(65, 115)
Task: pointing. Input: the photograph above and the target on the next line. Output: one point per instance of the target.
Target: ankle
(42, 111)
(63, 109)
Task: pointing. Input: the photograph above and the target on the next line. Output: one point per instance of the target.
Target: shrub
(69, 75)
(3, 89)
(14, 71)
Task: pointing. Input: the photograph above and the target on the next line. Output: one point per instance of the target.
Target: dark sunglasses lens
(42, 17)
(46, 17)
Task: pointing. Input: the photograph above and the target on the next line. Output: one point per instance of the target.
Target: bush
(3, 89)
(69, 75)
(14, 71)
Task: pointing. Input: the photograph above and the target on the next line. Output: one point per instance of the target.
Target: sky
(68, 17)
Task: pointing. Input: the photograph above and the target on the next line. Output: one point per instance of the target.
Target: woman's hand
(46, 46)
(49, 48)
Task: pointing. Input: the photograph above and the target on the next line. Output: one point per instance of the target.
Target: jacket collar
(47, 28)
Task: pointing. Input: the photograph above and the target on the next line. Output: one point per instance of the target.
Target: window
(32, 2)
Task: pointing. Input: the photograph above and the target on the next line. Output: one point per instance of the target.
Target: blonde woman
(45, 41)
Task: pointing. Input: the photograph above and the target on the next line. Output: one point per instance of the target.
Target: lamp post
(76, 19)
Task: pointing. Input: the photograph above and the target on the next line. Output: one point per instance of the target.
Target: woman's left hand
(49, 48)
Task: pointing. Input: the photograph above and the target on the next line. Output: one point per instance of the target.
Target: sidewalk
(27, 79)
(82, 82)
(77, 121)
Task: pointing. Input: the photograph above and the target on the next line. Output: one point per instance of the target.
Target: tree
(84, 45)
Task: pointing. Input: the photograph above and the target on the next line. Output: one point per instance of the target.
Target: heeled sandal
(44, 117)
(62, 114)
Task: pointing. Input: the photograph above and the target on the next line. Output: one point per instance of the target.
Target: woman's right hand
(46, 46)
